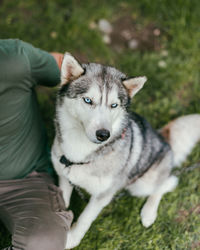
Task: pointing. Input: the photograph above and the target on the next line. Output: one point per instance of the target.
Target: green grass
(170, 92)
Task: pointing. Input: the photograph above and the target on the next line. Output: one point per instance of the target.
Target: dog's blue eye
(87, 100)
(114, 105)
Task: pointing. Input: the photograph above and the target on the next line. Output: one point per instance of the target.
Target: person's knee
(50, 240)
(48, 237)
(43, 234)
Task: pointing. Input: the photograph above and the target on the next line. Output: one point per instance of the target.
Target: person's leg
(33, 210)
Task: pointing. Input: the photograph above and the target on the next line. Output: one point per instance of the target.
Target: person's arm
(44, 66)
(58, 57)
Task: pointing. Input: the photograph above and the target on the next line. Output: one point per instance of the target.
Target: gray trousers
(33, 211)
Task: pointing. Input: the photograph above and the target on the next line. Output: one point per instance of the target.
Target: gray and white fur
(117, 149)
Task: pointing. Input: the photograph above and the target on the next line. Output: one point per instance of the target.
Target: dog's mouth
(97, 142)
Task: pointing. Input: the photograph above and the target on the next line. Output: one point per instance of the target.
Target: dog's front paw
(71, 241)
(73, 238)
(148, 217)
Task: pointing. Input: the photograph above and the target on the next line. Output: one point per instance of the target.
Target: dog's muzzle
(102, 134)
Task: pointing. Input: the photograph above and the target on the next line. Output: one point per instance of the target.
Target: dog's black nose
(102, 134)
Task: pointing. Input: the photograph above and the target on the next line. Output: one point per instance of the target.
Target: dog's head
(97, 97)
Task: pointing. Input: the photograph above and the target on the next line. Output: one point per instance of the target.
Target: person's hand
(58, 57)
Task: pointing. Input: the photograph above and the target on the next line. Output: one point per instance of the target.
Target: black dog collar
(68, 163)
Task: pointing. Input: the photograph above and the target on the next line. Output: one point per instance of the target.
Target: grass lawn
(159, 39)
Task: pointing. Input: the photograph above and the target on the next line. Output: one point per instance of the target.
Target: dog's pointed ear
(133, 85)
(70, 69)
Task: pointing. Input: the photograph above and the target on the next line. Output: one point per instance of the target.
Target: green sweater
(23, 142)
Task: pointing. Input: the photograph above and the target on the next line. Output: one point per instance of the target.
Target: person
(31, 205)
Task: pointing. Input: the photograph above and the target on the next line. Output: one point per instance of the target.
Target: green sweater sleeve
(43, 67)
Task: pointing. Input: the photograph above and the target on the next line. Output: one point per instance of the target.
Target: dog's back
(153, 146)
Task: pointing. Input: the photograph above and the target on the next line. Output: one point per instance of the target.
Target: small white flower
(105, 26)
(162, 64)
(106, 39)
(156, 32)
(54, 34)
(133, 44)
(164, 53)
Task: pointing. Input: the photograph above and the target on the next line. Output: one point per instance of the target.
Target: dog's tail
(182, 134)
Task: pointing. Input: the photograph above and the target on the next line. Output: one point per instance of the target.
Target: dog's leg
(149, 210)
(78, 230)
(66, 188)
(63, 181)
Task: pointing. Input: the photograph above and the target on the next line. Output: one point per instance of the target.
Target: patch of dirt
(195, 245)
(127, 33)
(184, 214)
(82, 58)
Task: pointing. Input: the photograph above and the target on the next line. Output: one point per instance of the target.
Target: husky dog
(102, 148)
